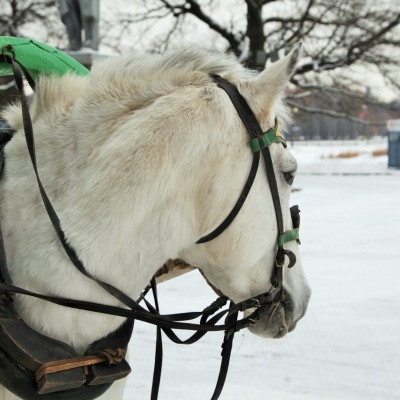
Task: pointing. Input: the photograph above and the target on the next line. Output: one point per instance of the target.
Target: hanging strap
(70, 251)
(158, 359)
(225, 355)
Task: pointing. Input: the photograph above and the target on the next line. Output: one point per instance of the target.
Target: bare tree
(347, 43)
(36, 19)
(25, 18)
(337, 34)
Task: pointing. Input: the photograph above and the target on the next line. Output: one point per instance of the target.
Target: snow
(321, 157)
(347, 345)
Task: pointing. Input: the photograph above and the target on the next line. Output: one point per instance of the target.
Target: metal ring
(258, 304)
(278, 265)
(7, 57)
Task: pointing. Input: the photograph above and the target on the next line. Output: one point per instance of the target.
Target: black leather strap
(30, 141)
(239, 203)
(164, 321)
(4, 273)
(225, 355)
(158, 359)
(254, 130)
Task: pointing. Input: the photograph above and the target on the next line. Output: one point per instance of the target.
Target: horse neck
(122, 234)
(127, 200)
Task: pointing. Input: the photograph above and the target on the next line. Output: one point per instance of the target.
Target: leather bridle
(13, 364)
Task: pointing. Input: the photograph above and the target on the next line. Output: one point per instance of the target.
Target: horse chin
(273, 325)
(277, 323)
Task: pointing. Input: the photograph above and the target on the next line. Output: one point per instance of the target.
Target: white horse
(140, 160)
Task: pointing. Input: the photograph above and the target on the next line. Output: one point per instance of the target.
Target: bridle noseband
(17, 369)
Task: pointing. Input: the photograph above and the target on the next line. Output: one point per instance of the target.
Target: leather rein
(97, 378)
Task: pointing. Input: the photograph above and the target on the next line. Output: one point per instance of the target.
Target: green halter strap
(273, 135)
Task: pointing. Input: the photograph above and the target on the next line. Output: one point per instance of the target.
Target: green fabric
(265, 140)
(39, 58)
(288, 237)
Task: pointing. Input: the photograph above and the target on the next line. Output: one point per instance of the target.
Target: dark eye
(289, 177)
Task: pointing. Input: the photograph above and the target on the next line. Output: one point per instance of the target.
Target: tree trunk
(255, 33)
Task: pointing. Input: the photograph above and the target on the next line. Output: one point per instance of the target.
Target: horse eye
(289, 177)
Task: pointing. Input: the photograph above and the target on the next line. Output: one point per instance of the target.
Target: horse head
(240, 262)
(142, 160)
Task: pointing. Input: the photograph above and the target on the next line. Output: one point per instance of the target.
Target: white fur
(140, 160)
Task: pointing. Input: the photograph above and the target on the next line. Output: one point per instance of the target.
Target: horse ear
(267, 88)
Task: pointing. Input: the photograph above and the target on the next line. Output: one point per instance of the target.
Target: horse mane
(152, 75)
(133, 81)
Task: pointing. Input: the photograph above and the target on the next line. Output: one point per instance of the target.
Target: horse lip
(276, 320)
(284, 299)
(292, 326)
(288, 303)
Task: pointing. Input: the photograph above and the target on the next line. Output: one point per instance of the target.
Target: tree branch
(335, 114)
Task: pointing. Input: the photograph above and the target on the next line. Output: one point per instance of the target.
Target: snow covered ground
(320, 157)
(347, 347)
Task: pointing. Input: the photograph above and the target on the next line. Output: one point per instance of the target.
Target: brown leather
(110, 356)
(176, 267)
(172, 269)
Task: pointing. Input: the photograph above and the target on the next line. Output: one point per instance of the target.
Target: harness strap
(288, 237)
(158, 358)
(256, 134)
(239, 203)
(225, 354)
(109, 355)
(4, 57)
(267, 139)
(4, 273)
(164, 321)
(254, 130)
(30, 141)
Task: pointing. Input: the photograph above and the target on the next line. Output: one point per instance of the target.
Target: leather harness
(34, 366)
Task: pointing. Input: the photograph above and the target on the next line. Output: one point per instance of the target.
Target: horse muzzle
(276, 319)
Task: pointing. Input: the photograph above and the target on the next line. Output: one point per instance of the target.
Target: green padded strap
(265, 140)
(38, 58)
(288, 237)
